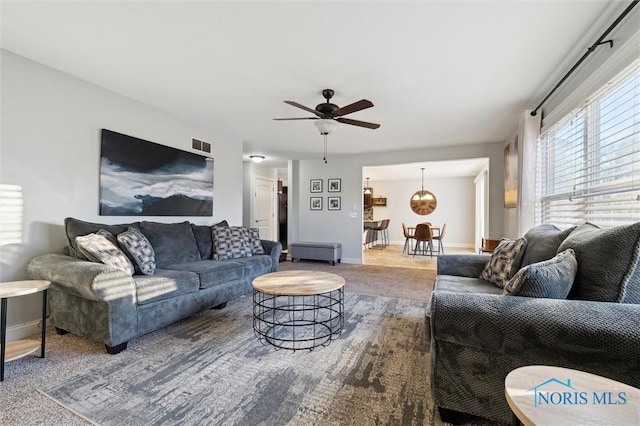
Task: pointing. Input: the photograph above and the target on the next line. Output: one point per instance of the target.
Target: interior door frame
(274, 203)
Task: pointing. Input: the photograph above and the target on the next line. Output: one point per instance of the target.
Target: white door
(264, 207)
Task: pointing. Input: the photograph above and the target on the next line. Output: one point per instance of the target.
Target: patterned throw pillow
(254, 241)
(551, 279)
(505, 261)
(230, 242)
(100, 248)
(136, 245)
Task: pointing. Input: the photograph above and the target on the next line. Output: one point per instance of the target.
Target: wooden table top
(543, 395)
(21, 288)
(297, 283)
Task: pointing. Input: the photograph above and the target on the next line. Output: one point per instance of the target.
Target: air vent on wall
(199, 145)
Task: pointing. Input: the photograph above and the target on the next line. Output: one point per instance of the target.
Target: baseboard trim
(23, 331)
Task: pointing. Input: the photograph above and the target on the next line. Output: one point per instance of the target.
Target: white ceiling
(440, 73)
(432, 169)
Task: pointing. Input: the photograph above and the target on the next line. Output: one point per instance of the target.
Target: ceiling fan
(329, 111)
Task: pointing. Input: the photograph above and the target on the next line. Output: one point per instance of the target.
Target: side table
(19, 348)
(544, 395)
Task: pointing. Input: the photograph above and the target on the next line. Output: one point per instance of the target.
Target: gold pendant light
(423, 202)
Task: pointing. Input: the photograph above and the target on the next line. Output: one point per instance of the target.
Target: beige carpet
(373, 280)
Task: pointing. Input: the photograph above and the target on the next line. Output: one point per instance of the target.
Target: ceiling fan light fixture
(257, 158)
(325, 126)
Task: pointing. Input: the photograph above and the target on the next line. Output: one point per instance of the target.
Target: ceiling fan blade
(297, 118)
(358, 123)
(356, 106)
(297, 105)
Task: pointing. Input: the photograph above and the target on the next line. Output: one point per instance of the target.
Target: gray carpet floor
(70, 357)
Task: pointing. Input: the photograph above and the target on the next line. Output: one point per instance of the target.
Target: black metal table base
(298, 322)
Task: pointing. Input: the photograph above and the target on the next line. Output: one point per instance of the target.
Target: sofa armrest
(273, 249)
(537, 328)
(89, 280)
(477, 339)
(462, 265)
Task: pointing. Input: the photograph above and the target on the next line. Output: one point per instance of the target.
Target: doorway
(264, 207)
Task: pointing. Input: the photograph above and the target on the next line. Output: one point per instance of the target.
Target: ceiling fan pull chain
(325, 149)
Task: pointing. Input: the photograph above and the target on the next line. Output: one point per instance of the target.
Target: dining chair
(407, 239)
(439, 238)
(385, 231)
(380, 233)
(424, 239)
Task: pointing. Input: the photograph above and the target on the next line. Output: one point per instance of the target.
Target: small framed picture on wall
(315, 203)
(316, 185)
(334, 185)
(334, 203)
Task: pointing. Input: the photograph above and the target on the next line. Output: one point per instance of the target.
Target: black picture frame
(334, 185)
(334, 203)
(315, 203)
(315, 185)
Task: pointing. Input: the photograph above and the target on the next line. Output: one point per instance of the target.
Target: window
(588, 164)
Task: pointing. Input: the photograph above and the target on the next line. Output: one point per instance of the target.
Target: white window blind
(588, 164)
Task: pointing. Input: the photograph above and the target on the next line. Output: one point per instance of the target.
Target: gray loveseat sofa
(478, 334)
(113, 306)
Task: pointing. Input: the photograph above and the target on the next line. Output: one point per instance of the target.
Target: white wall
(50, 146)
(332, 226)
(456, 207)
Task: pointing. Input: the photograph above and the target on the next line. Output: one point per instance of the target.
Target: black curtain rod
(590, 50)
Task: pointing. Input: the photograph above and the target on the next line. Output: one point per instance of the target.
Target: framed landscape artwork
(511, 174)
(142, 178)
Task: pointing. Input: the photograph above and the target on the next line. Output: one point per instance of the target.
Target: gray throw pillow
(505, 261)
(254, 241)
(204, 238)
(608, 268)
(230, 242)
(138, 248)
(543, 242)
(173, 243)
(100, 247)
(551, 279)
(75, 227)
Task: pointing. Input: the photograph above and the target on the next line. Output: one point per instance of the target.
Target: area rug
(211, 369)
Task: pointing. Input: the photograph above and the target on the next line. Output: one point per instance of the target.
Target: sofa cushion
(254, 241)
(551, 279)
(465, 285)
(255, 265)
(172, 242)
(212, 272)
(139, 249)
(607, 263)
(203, 238)
(543, 242)
(230, 242)
(75, 227)
(505, 261)
(102, 247)
(164, 284)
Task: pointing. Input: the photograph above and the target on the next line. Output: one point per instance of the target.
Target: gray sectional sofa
(479, 332)
(113, 306)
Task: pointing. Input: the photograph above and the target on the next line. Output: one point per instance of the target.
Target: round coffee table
(542, 394)
(298, 309)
